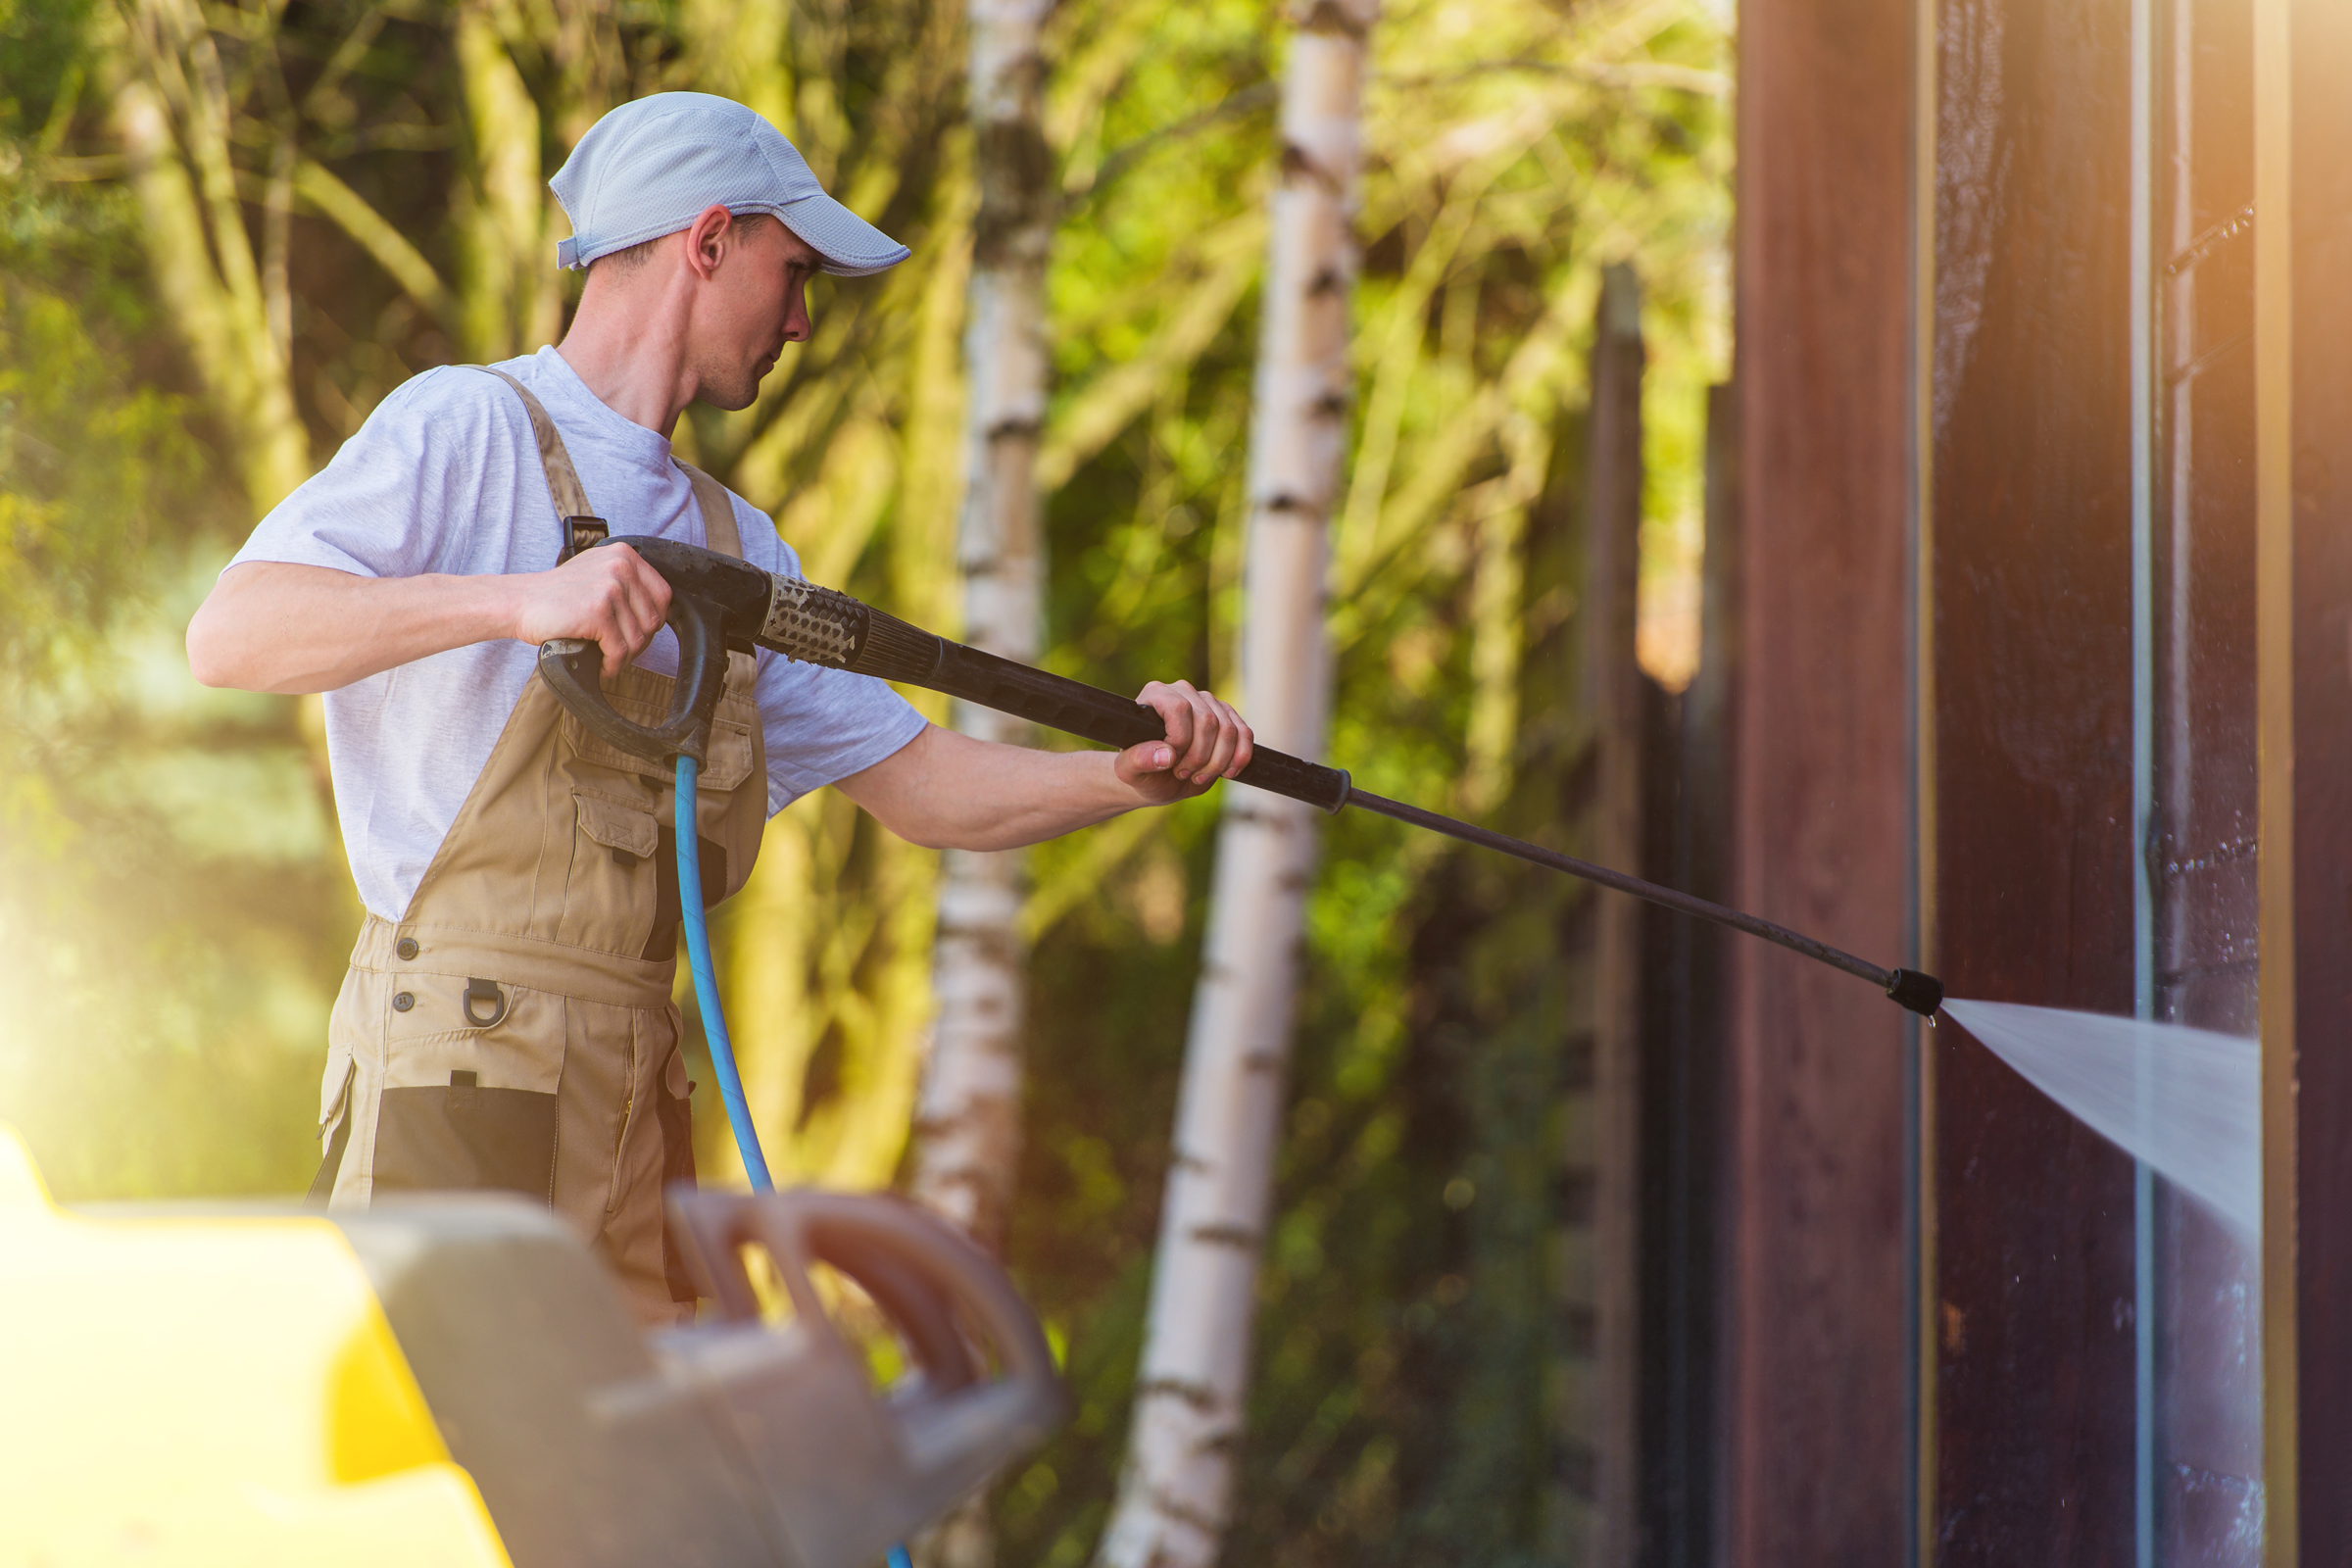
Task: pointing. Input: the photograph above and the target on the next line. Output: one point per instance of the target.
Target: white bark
(1175, 1497)
(968, 1120)
(967, 1126)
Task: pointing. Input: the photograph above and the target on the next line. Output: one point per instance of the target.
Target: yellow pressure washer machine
(454, 1380)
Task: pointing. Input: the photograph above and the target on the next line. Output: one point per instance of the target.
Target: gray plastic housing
(728, 1442)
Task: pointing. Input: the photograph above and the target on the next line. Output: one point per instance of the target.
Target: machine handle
(917, 1269)
(573, 670)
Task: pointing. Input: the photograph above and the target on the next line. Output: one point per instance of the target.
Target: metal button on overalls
(514, 1029)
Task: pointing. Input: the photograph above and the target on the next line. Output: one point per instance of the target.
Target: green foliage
(86, 460)
(172, 900)
(167, 861)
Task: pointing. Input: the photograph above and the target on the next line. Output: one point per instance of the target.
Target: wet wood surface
(2032, 581)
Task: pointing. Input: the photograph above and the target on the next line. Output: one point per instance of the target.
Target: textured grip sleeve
(815, 625)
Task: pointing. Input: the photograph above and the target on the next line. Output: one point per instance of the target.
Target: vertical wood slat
(1687, 781)
(2321, 237)
(1684, 806)
(1814, 1371)
(1613, 513)
(1925, 864)
(1556, 758)
(2035, 1368)
(2275, 618)
(2033, 494)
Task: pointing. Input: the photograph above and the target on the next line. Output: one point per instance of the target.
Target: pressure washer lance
(718, 603)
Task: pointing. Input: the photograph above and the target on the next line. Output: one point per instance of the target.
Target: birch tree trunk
(968, 1124)
(968, 1120)
(1175, 1496)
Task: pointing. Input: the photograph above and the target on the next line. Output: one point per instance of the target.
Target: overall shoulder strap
(719, 510)
(582, 527)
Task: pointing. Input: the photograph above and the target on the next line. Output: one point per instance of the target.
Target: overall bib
(514, 1029)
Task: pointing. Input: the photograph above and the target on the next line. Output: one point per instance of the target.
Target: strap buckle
(582, 534)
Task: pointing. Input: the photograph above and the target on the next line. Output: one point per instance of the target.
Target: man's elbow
(222, 651)
(212, 655)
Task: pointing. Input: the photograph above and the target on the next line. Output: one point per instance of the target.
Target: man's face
(756, 304)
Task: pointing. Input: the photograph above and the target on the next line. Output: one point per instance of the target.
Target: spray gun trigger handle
(573, 670)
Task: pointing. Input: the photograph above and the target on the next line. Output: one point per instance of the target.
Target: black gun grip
(573, 670)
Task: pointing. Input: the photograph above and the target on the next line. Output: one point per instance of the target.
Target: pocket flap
(629, 828)
(730, 760)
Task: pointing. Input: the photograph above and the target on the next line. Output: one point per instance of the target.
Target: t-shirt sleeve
(396, 501)
(820, 725)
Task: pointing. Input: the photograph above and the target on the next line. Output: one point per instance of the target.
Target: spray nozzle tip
(1922, 993)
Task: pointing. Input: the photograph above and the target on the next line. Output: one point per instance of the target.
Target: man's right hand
(268, 627)
(608, 596)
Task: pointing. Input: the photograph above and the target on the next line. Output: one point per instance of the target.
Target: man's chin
(733, 397)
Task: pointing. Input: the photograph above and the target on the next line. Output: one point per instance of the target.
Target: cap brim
(851, 246)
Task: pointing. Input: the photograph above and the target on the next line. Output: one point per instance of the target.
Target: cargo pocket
(469, 1101)
(671, 1104)
(465, 1137)
(609, 891)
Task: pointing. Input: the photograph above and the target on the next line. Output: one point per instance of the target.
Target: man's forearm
(948, 791)
(270, 627)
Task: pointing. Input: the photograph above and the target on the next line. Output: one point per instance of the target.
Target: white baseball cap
(650, 169)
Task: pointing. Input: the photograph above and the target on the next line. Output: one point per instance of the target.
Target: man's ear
(708, 240)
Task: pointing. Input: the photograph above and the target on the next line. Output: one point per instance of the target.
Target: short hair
(623, 262)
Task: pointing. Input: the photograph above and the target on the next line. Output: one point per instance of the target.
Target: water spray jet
(2184, 1100)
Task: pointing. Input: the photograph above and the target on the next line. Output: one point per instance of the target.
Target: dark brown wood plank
(1815, 1433)
(1613, 536)
(2322, 524)
(2032, 591)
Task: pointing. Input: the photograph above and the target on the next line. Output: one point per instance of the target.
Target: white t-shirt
(444, 477)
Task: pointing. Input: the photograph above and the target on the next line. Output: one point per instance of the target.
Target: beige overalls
(515, 1030)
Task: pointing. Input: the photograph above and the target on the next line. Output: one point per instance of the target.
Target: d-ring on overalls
(514, 1029)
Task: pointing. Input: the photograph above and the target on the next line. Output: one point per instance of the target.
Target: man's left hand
(1206, 741)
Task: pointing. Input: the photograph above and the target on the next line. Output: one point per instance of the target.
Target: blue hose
(706, 980)
(684, 809)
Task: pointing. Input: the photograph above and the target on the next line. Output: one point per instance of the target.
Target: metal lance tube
(720, 603)
(819, 625)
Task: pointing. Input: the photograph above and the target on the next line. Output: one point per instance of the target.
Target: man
(505, 1019)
